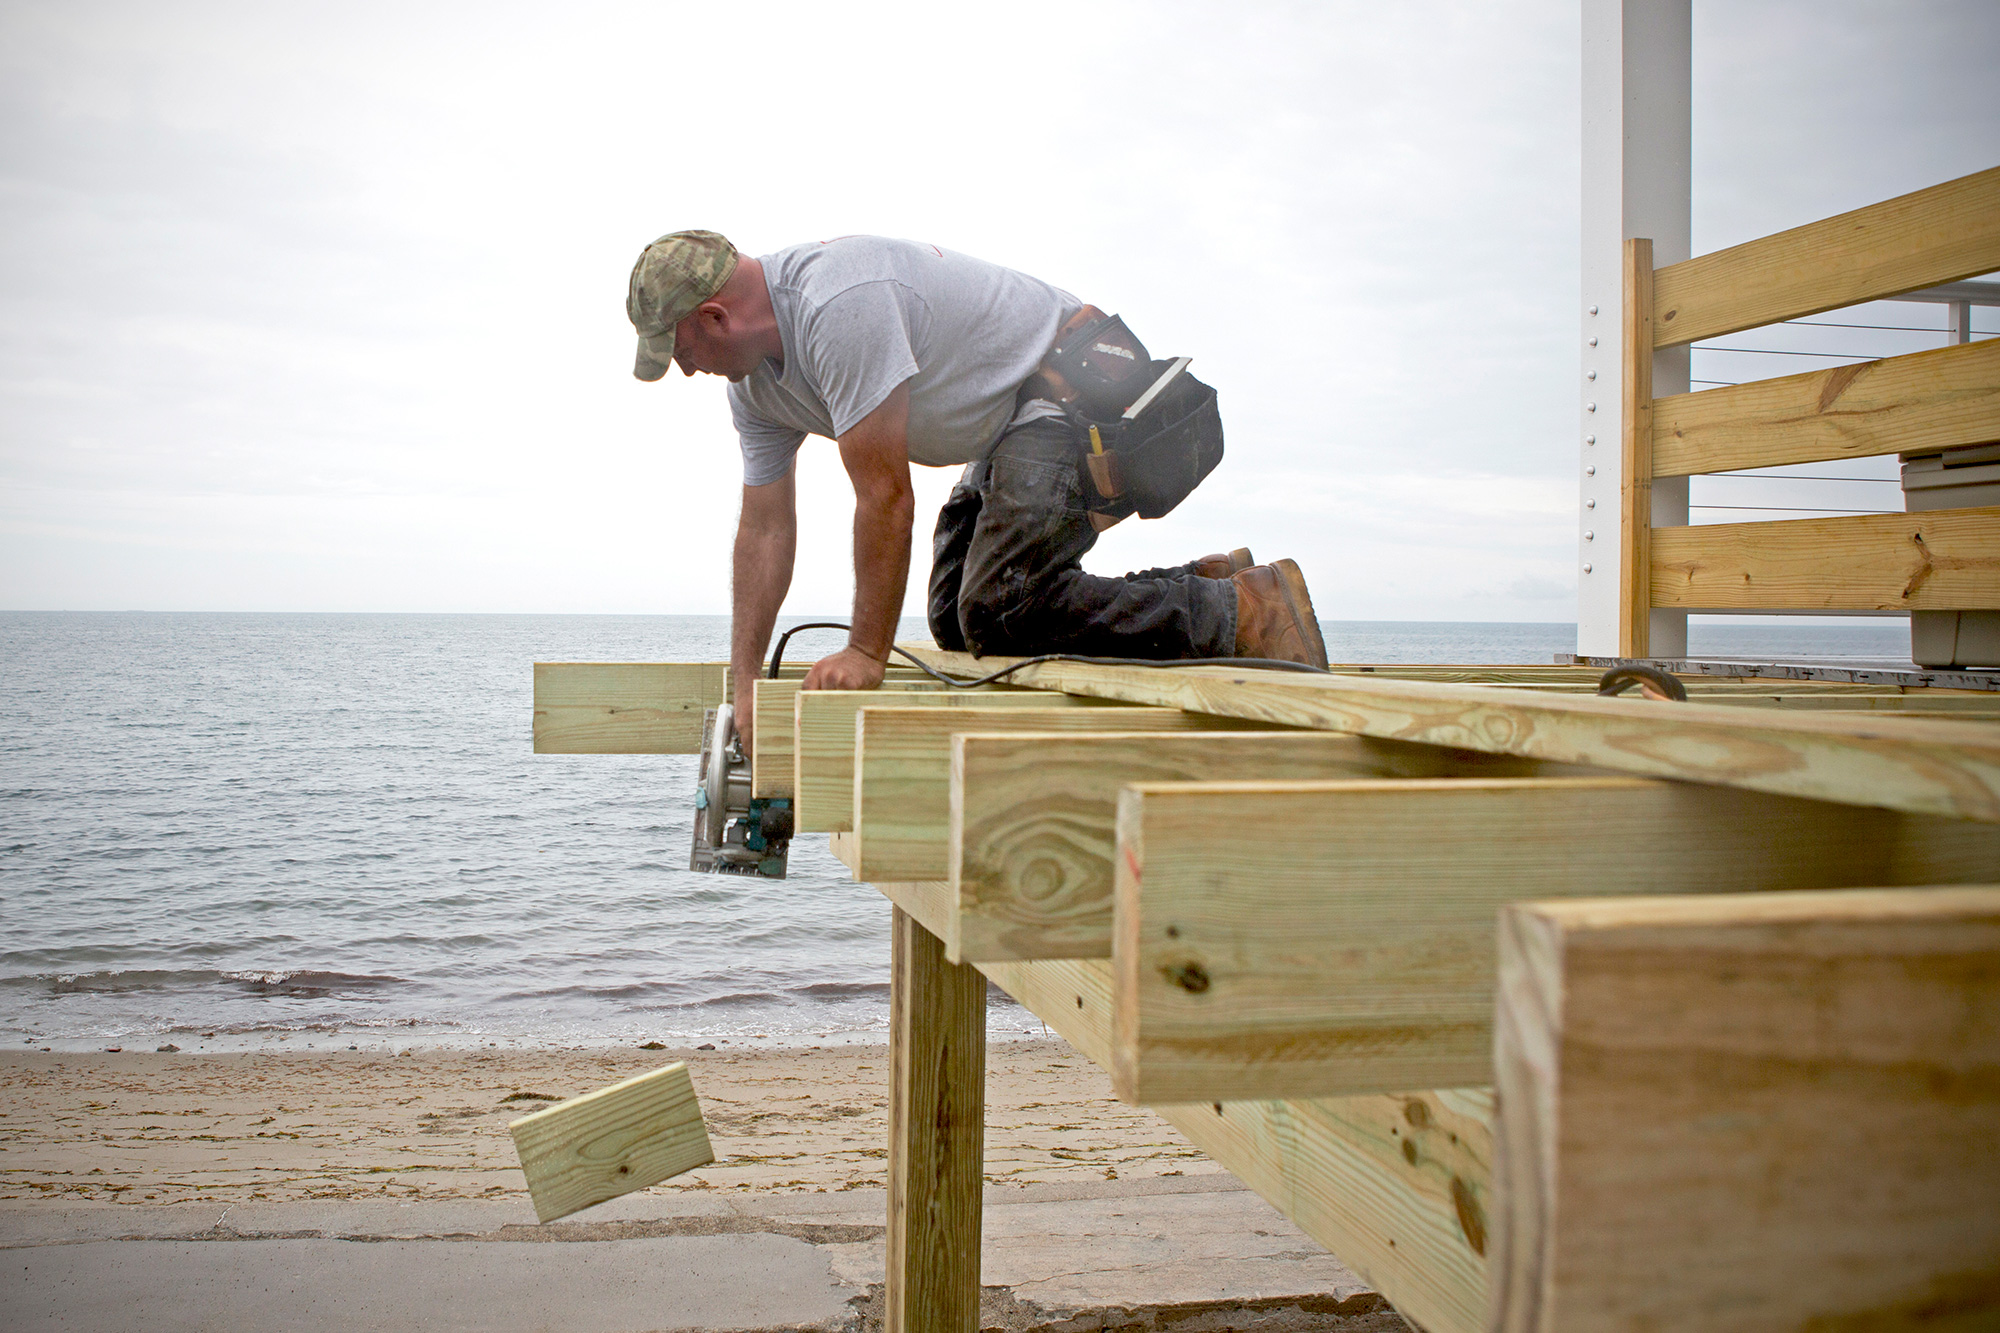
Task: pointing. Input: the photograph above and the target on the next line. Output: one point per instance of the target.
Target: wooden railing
(1946, 560)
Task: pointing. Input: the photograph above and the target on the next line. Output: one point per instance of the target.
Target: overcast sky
(320, 307)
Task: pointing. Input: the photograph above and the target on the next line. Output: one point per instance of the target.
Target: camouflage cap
(674, 275)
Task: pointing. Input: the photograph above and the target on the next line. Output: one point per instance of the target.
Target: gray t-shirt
(861, 314)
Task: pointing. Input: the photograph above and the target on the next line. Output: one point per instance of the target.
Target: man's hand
(848, 669)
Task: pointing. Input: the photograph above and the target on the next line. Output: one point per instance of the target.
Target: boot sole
(1300, 603)
(1240, 559)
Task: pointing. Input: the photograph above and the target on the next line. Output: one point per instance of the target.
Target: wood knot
(1190, 977)
(1471, 1217)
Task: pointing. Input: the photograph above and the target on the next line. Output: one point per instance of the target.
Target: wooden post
(1635, 508)
(937, 1123)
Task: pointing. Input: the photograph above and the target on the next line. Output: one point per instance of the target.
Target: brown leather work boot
(1274, 615)
(1222, 566)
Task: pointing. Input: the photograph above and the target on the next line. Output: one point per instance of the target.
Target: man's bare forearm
(881, 569)
(766, 541)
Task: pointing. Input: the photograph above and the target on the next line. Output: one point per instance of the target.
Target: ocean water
(228, 830)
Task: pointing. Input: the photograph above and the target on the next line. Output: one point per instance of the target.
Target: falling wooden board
(1033, 818)
(612, 1141)
(1322, 938)
(1916, 764)
(1738, 1112)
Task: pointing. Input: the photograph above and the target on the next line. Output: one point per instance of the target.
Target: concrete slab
(330, 1286)
(1190, 1252)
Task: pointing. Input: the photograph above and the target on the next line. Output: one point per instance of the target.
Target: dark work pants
(1005, 576)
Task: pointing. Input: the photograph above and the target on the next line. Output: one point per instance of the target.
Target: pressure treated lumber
(1932, 236)
(1033, 818)
(937, 1126)
(1914, 764)
(1750, 1112)
(823, 741)
(611, 1142)
(1943, 560)
(1936, 399)
(1396, 1186)
(1321, 938)
(624, 707)
(902, 789)
(772, 764)
(1635, 484)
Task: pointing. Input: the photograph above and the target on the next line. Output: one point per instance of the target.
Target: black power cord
(1272, 663)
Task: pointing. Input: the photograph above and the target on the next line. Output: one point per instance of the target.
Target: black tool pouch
(1148, 463)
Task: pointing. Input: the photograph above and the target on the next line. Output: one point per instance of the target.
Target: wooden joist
(1033, 818)
(611, 1142)
(1320, 938)
(902, 757)
(1934, 236)
(1397, 1186)
(624, 707)
(1930, 400)
(1749, 1112)
(1913, 764)
(772, 762)
(1943, 560)
(823, 741)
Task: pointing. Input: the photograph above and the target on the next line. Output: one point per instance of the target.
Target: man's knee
(1000, 613)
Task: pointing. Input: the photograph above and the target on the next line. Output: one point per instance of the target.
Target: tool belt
(1147, 431)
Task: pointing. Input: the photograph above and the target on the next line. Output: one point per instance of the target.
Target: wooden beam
(902, 789)
(823, 731)
(1915, 764)
(611, 1142)
(1635, 484)
(1321, 938)
(1932, 236)
(937, 1126)
(1396, 1186)
(773, 741)
(624, 707)
(1943, 560)
(1938, 399)
(1750, 1112)
(1033, 818)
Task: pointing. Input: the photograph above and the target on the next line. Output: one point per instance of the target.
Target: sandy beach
(147, 1128)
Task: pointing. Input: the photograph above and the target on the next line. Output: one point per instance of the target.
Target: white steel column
(1635, 183)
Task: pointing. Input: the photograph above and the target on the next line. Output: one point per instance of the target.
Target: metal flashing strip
(1909, 678)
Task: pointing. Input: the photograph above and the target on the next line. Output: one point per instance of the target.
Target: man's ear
(713, 317)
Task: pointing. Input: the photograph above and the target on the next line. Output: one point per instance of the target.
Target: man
(904, 353)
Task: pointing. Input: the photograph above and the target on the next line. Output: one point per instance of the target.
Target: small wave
(844, 990)
(299, 982)
(307, 981)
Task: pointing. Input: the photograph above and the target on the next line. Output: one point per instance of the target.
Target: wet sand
(147, 1128)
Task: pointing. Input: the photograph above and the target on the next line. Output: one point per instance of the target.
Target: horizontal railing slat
(1943, 560)
(1936, 399)
(1932, 236)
